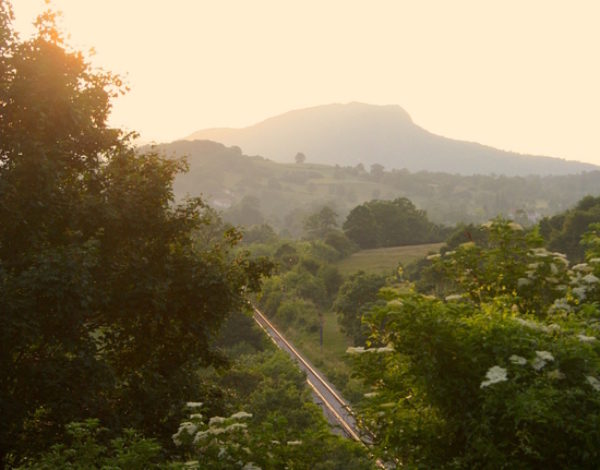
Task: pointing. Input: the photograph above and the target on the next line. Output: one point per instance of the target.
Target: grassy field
(384, 260)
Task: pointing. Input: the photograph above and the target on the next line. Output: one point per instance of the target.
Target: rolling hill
(252, 189)
(349, 134)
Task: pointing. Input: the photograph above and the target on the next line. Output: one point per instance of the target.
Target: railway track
(335, 406)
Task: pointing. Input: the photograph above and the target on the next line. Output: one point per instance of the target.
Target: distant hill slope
(348, 134)
(254, 190)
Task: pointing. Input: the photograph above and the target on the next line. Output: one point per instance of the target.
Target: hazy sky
(518, 75)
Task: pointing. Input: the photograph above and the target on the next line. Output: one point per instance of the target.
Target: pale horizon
(516, 76)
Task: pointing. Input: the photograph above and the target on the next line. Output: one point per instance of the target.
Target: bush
(500, 374)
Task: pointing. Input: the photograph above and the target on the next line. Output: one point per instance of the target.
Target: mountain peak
(351, 133)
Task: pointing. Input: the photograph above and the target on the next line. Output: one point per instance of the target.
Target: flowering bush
(494, 375)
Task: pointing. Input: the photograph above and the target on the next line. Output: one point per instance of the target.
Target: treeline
(252, 190)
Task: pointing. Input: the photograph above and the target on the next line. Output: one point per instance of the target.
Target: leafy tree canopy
(110, 291)
(563, 231)
(501, 370)
(380, 223)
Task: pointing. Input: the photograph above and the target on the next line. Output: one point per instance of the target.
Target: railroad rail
(336, 406)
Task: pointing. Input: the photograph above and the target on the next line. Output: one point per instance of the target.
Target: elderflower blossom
(494, 375)
(517, 360)
(522, 281)
(294, 443)
(538, 364)
(590, 279)
(586, 339)
(250, 466)
(234, 426)
(594, 382)
(541, 359)
(385, 349)
(583, 267)
(355, 350)
(532, 324)
(216, 420)
(515, 226)
(434, 257)
(194, 404)
(451, 297)
(241, 415)
(540, 252)
(580, 292)
(545, 355)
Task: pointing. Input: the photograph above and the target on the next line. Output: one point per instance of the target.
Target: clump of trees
(501, 369)
(355, 297)
(110, 291)
(563, 231)
(379, 223)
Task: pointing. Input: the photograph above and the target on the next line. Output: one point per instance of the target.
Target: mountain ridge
(353, 133)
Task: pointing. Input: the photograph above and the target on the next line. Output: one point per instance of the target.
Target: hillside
(349, 134)
(253, 189)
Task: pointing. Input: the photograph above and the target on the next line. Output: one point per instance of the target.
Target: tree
(379, 223)
(110, 291)
(354, 298)
(563, 232)
(300, 158)
(318, 224)
(360, 227)
(377, 171)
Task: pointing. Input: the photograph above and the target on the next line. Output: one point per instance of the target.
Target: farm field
(384, 260)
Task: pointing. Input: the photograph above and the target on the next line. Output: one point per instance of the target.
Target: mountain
(349, 134)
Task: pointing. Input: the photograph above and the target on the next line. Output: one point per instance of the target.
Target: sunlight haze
(520, 76)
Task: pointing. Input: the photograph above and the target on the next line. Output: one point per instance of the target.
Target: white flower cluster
(361, 349)
(586, 339)
(521, 361)
(594, 382)
(494, 375)
(538, 326)
(216, 425)
(452, 297)
(541, 359)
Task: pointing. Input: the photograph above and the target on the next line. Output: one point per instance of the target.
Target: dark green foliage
(360, 227)
(379, 223)
(563, 232)
(286, 256)
(87, 449)
(110, 292)
(259, 234)
(340, 242)
(318, 224)
(502, 373)
(354, 298)
(280, 427)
